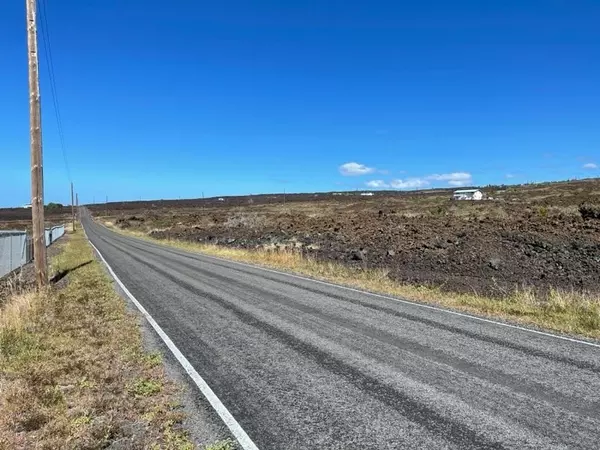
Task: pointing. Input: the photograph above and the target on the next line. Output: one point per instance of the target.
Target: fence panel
(53, 234)
(57, 233)
(13, 252)
(16, 247)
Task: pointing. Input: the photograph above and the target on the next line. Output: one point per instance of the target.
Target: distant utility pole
(106, 205)
(72, 207)
(35, 138)
(284, 196)
(77, 205)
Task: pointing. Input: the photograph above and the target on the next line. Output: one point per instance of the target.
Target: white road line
(235, 428)
(399, 300)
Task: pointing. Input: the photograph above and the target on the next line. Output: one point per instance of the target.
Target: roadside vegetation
(562, 311)
(73, 371)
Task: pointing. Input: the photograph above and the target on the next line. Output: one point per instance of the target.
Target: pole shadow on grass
(63, 273)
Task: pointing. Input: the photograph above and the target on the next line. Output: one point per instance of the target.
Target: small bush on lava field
(245, 220)
(589, 211)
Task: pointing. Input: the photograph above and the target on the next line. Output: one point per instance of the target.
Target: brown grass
(73, 372)
(561, 311)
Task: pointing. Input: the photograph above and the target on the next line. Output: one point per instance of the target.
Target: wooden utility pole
(72, 207)
(37, 170)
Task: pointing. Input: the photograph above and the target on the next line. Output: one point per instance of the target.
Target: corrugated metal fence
(16, 248)
(53, 234)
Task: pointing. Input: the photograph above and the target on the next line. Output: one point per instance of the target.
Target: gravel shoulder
(200, 420)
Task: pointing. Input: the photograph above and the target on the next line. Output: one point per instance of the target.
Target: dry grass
(14, 313)
(73, 372)
(560, 311)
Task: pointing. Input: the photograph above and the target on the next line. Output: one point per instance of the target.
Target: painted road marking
(233, 425)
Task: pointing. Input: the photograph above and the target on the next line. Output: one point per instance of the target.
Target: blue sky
(168, 99)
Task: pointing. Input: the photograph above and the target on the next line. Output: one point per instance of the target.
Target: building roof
(466, 191)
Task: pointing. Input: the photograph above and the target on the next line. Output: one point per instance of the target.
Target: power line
(50, 65)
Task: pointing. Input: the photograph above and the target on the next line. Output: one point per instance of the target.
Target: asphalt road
(305, 365)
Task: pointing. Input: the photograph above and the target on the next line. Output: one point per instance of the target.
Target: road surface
(306, 365)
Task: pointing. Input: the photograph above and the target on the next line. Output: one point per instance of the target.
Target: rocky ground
(542, 236)
(473, 254)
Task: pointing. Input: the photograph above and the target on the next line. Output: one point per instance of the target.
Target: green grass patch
(145, 388)
(222, 445)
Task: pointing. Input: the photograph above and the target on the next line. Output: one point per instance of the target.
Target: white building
(468, 194)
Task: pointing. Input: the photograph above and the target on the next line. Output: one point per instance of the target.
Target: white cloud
(453, 179)
(377, 184)
(459, 182)
(409, 183)
(590, 166)
(510, 175)
(455, 176)
(353, 169)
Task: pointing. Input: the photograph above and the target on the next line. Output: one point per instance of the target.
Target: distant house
(468, 194)
(368, 194)
(27, 206)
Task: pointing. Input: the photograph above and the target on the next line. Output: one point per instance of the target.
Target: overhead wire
(42, 7)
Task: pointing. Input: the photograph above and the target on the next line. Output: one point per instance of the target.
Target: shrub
(589, 211)
(54, 206)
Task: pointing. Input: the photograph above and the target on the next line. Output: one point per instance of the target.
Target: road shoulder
(77, 367)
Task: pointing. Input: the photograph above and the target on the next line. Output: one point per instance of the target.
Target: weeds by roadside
(227, 444)
(73, 373)
(562, 311)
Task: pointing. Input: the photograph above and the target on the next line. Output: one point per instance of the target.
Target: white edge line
(408, 302)
(235, 428)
